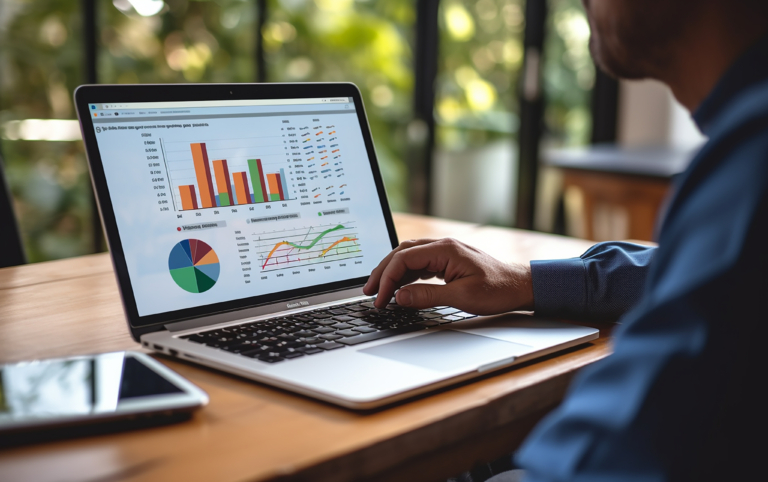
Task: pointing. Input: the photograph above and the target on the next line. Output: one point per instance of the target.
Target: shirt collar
(749, 69)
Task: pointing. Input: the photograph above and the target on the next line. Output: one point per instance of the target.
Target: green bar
(224, 199)
(275, 197)
(258, 194)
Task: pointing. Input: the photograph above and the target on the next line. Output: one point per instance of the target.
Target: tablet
(65, 393)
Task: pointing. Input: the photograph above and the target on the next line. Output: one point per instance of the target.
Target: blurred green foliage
(480, 55)
(368, 42)
(568, 74)
(40, 65)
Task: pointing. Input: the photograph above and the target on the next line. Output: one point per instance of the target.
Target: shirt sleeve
(602, 284)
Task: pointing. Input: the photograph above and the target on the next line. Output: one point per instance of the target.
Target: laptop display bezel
(105, 94)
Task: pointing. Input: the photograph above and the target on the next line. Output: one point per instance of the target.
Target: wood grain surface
(254, 432)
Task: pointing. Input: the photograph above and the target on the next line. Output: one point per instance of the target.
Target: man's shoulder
(745, 116)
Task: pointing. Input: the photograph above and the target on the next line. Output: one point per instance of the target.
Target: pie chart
(194, 266)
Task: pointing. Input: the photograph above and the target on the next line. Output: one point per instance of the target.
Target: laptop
(243, 221)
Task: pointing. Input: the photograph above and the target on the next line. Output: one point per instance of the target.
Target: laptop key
(364, 329)
(342, 326)
(343, 318)
(347, 333)
(356, 340)
(310, 351)
(431, 316)
(330, 337)
(359, 323)
(296, 344)
(327, 322)
(447, 311)
(324, 330)
(293, 354)
(310, 341)
(340, 311)
(429, 323)
(331, 345)
(303, 333)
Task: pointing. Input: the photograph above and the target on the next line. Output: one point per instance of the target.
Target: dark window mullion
(261, 19)
(531, 111)
(425, 72)
(90, 76)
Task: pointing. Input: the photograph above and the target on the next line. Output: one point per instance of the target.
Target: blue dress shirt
(681, 398)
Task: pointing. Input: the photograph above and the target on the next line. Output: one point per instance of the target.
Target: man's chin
(616, 66)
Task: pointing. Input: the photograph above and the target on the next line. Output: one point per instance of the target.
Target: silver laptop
(243, 221)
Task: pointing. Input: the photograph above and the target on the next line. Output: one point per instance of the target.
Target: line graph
(296, 247)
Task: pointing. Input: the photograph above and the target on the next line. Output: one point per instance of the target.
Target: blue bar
(285, 183)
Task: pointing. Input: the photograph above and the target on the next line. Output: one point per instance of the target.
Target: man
(681, 397)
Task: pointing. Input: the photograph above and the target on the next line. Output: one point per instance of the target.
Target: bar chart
(231, 177)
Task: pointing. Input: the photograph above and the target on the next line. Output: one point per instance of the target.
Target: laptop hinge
(290, 306)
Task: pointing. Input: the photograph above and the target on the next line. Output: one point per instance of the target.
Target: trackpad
(448, 350)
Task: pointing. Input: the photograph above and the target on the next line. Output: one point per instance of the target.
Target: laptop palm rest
(448, 350)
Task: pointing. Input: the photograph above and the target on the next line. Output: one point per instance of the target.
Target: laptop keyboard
(324, 329)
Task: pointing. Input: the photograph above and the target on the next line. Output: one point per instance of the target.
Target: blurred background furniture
(616, 193)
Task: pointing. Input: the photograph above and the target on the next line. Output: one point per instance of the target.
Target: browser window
(223, 200)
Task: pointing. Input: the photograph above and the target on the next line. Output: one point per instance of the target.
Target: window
(569, 75)
(476, 109)
(40, 66)
(470, 169)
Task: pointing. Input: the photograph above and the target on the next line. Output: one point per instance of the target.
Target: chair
(11, 249)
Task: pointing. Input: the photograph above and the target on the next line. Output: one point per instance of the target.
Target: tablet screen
(65, 388)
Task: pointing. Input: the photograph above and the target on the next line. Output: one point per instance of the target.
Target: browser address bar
(222, 103)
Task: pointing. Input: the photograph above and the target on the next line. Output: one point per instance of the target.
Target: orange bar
(221, 171)
(241, 181)
(203, 173)
(188, 198)
(274, 187)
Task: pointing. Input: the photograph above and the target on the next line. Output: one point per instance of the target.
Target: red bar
(193, 194)
(280, 186)
(261, 178)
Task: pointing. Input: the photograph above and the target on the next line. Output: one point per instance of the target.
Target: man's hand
(475, 282)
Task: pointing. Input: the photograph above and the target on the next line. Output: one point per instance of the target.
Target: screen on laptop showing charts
(222, 200)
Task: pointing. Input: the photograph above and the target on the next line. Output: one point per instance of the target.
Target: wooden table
(253, 432)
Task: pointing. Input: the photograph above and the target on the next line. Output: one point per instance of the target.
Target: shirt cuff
(559, 287)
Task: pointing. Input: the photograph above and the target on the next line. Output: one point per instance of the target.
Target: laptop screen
(217, 201)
